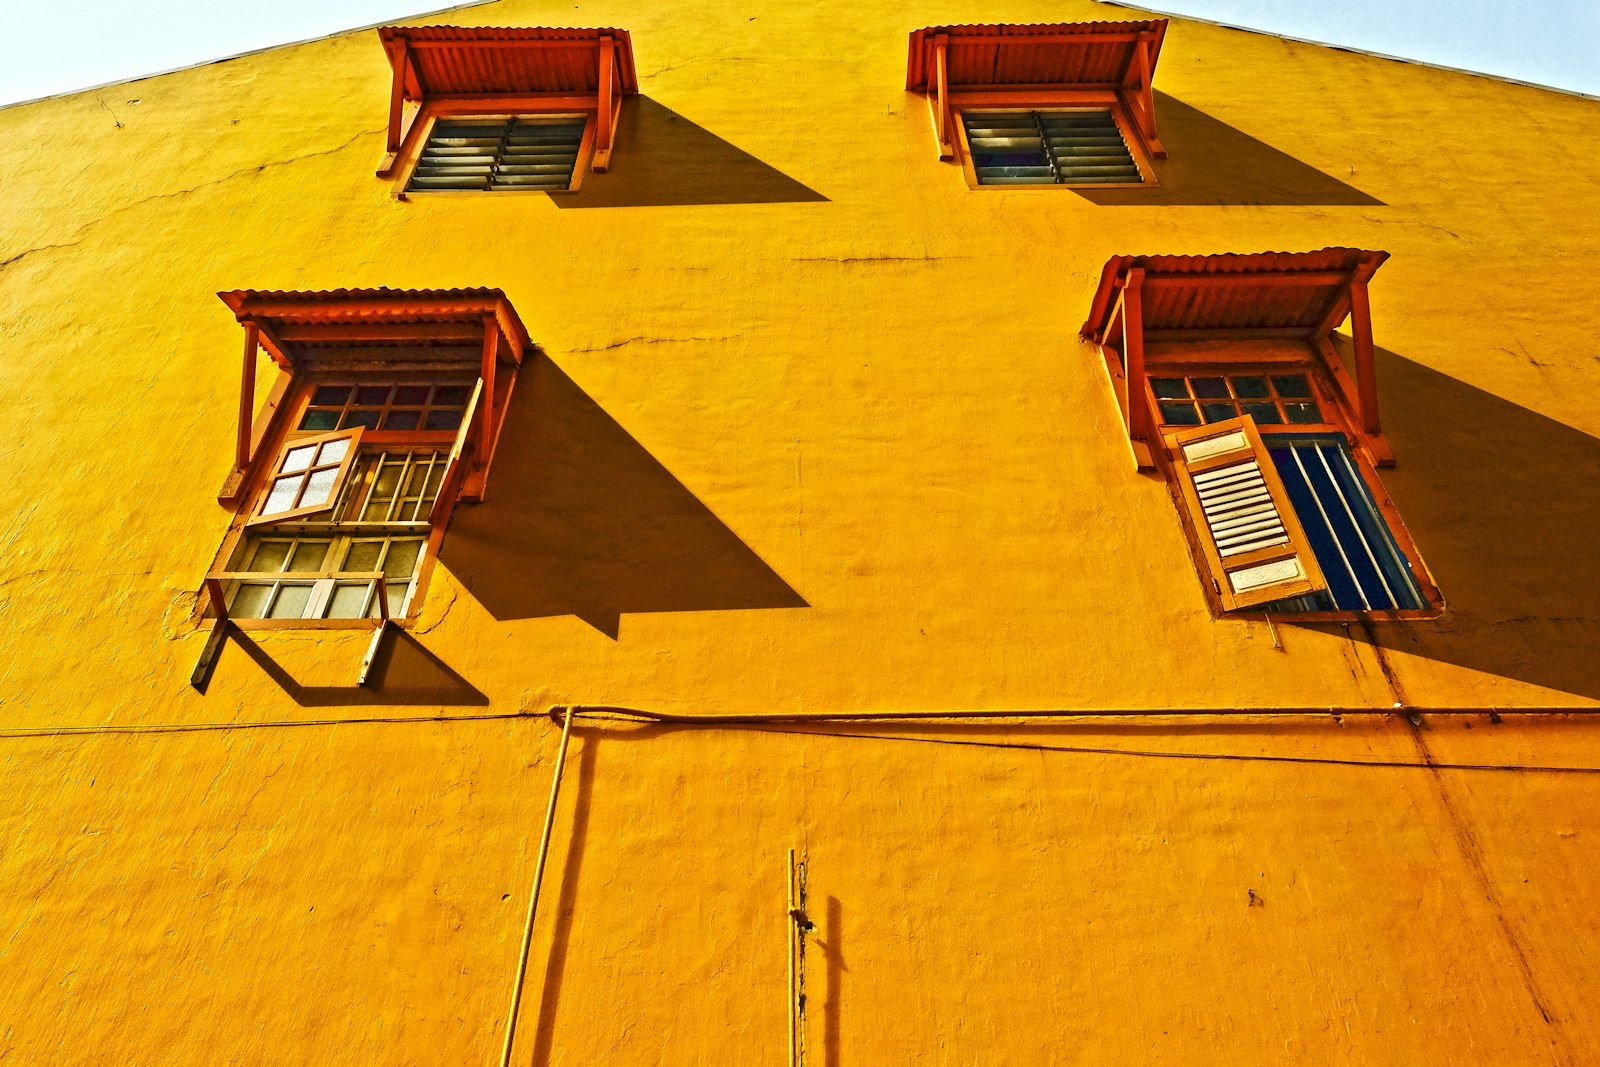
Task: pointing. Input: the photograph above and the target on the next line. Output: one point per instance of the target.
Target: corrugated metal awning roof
(505, 61)
(1060, 54)
(293, 321)
(1267, 290)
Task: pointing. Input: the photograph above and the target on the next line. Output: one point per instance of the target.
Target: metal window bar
(1376, 533)
(1361, 535)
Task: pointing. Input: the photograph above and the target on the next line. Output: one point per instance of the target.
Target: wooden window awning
(506, 70)
(1294, 296)
(1119, 57)
(364, 331)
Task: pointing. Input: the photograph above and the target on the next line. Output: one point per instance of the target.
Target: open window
(490, 109)
(383, 418)
(1063, 104)
(1228, 382)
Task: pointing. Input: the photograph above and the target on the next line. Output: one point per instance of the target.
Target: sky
(58, 46)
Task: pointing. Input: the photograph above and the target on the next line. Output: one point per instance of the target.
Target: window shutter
(1049, 147)
(1241, 516)
(490, 154)
(307, 476)
(455, 471)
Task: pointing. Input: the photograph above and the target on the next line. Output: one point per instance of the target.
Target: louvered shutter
(498, 154)
(1241, 516)
(1048, 147)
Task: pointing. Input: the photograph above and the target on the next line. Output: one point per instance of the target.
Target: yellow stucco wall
(813, 432)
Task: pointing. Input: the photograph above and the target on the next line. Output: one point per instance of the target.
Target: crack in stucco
(873, 259)
(656, 341)
(82, 231)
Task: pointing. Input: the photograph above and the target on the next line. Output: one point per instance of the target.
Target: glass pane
(330, 396)
(282, 496)
(269, 556)
(443, 419)
(290, 602)
(349, 601)
(1251, 385)
(452, 394)
(397, 598)
(299, 459)
(371, 396)
(1209, 387)
(1291, 385)
(369, 419)
(411, 394)
(1264, 414)
(363, 556)
(417, 480)
(308, 555)
(1302, 413)
(1169, 387)
(402, 558)
(402, 420)
(1175, 413)
(249, 601)
(320, 420)
(334, 451)
(1218, 412)
(388, 478)
(319, 487)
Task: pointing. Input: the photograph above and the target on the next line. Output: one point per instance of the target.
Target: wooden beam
(382, 331)
(486, 412)
(603, 133)
(1232, 333)
(1146, 97)
(247, 397)
(400, 58)
(1366, 370)
(941, 113)
(1133, 355)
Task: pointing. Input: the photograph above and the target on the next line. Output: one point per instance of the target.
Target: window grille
(500, 154)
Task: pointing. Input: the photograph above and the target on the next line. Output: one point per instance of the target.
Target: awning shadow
(1210, 162)
(582, 520)
(1504, 504)
(662, 159)
(403, 673)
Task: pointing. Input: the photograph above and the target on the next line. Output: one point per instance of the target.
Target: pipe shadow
(1210, 162)
(1504, 505)
(403, 673)
(555, 967)
(833, 958)
(583, 521)
(661, 159)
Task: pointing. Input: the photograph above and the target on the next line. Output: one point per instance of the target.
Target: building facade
(819, 411)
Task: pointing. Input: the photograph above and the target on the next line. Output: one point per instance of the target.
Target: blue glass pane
(1169, 388)
(1178, 413)
(320, 420)
(1264, 414)
(1210, 387)
(1218, 412)
(1252, 385)
(1291, 386)
(1302, 413)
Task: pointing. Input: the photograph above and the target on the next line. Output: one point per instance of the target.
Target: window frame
(1251, 359)
(285, 436)
(1050, 100)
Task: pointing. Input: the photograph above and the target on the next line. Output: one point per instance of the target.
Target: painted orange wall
(813, 432)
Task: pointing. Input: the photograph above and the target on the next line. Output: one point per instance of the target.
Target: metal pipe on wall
(533, 895)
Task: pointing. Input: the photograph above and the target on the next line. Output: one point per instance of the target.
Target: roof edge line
(242, 55)
(1504, 79)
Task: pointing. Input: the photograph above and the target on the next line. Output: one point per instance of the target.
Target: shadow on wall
(662, 159)
(1504, 505)
(1210, 162)
(581, 520)
(555, 967)
(403, 673)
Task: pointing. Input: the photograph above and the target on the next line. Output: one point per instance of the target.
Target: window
(1229, 383)
(502, 109)
(1067, 104)
(346, 479)
(1084, 146)
(500, 153)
